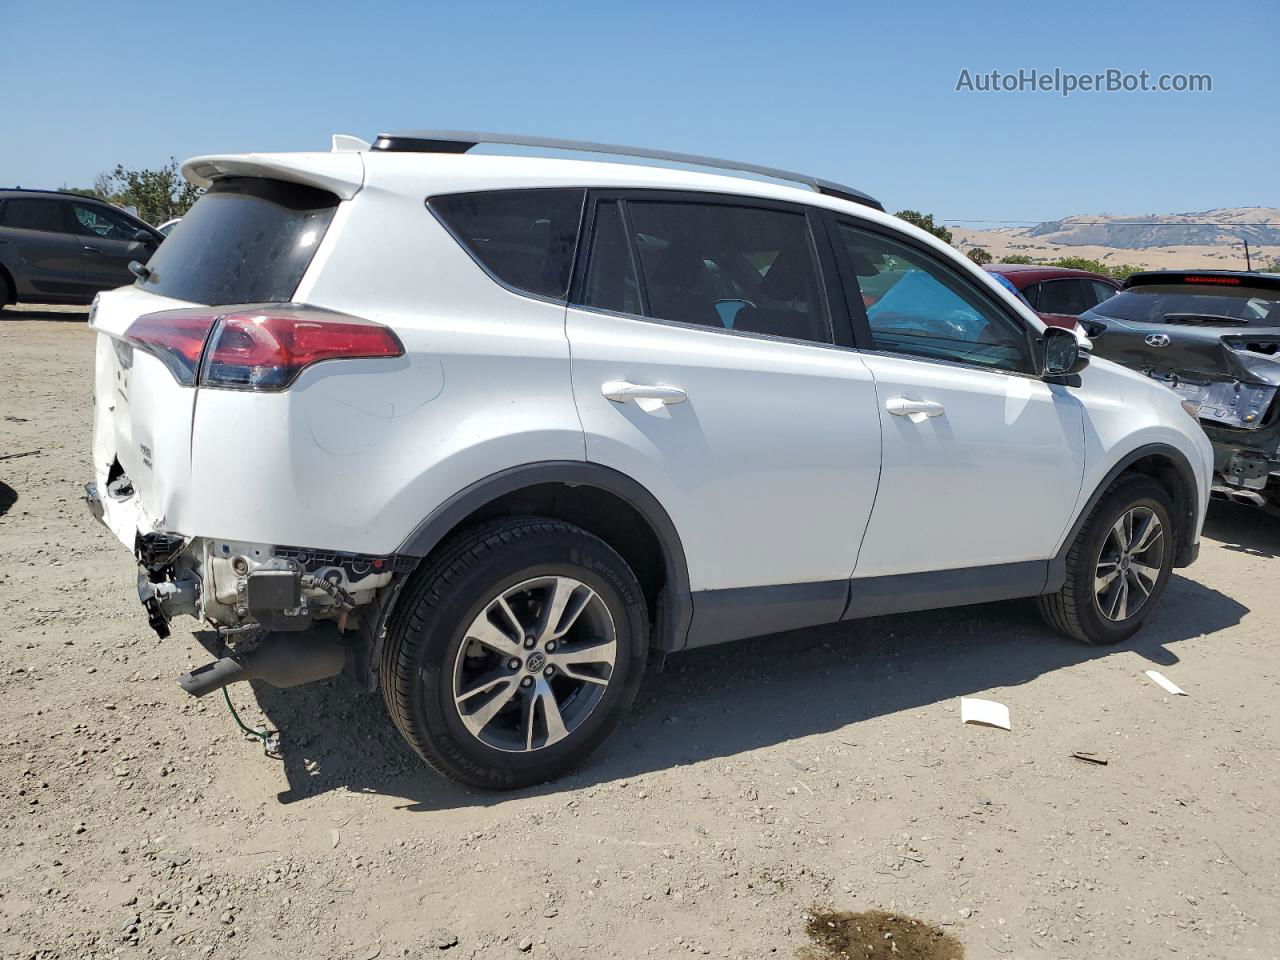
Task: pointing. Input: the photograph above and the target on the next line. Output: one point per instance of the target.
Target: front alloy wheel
(1118, 564)
(1129, 564)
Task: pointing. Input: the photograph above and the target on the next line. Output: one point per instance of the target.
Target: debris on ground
(1090, 757)
(1162, 681)
(984, 713)
(875, 935)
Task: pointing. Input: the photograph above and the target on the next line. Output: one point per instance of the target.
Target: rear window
(248, 240)
(524, 238)
(1184, 303)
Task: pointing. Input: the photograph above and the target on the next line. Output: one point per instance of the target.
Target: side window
(611, 275)
(95, 221)
(526, 238)
(1032, 293)
(1069, 296)
(26, 213)
(918, 305)
(1101, 291)
(714, 265)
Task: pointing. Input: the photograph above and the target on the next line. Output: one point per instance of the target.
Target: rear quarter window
(248, 240)
(524, 238)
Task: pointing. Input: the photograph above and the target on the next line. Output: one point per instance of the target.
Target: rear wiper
(1202, 318)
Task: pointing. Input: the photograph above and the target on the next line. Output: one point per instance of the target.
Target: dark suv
(63, 248)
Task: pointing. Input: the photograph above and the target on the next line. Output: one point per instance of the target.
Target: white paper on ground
(1162, 680)
(987, 713)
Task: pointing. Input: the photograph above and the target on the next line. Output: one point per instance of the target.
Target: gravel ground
(825, 767)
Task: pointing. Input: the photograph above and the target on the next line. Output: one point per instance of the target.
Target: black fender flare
(675, 606)
(1057, 574)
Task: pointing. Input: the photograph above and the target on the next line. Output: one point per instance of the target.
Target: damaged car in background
(1214, 338)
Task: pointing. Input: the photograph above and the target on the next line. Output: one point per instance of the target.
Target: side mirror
(145, 237)
(1061, 353)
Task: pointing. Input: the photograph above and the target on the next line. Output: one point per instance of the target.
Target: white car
(493, 432)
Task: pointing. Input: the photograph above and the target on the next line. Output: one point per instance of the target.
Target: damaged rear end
(1213, 338)
(216, 310)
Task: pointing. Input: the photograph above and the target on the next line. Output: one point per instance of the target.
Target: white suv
(513, 426)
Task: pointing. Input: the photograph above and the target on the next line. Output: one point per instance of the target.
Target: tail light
(257, 349)
(176, 337)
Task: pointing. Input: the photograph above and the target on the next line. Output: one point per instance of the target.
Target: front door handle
(645, 396)
(917, 411)
(88, 249)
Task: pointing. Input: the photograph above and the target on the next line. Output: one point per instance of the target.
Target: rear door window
(524, 238)
(26, 213)
(248, 240)
(1069, 296)
(718, 265)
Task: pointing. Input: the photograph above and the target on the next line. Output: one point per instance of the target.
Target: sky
(860, 93)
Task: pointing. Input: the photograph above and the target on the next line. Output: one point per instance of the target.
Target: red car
(1058, 294)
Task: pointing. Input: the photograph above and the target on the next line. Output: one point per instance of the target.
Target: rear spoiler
(341, 173)
(1206, 278)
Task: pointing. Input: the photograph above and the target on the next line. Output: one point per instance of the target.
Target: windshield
(1182, 303)
(248, 240)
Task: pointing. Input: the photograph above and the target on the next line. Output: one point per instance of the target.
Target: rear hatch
(249, 240)
(1213, 338)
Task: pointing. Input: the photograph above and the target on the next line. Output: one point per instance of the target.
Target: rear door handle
(645, 396)
(917, 411)
(88, 249)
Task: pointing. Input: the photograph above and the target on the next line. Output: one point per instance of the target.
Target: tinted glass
(247, 240)
(94, 221)
(611, 276)
(1101, 291)
(29, 214)
(1186, 303)
(1032, 293)
(729, 267)
(918, 305)
(525, 238)
(1070, 296)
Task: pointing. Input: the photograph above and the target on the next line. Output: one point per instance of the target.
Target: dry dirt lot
(822, 768)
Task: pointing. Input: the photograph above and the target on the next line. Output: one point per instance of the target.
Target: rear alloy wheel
(536, 662)
(516, 653)
(1118, 566)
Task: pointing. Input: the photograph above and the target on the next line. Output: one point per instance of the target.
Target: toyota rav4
(491, 433)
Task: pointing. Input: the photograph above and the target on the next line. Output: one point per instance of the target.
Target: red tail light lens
(176, 337)
(257, 349)
(267, 350)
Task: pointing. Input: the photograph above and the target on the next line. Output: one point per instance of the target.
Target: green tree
(925, 222)
(158, 195)
(1016, 258)
(979, 256)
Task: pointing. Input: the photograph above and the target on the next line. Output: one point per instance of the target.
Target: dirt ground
(823, 768)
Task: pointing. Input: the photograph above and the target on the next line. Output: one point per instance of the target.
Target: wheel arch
(1167, 465)
(601, 500)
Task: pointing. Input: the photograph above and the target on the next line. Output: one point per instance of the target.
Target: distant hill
(1206, 228)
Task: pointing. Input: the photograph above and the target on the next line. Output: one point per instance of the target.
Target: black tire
(429, 626)
(7, 293)
(1075, 610)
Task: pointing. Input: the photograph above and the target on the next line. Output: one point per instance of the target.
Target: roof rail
(460, 141)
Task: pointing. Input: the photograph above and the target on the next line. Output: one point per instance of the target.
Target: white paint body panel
(991, 479)
(768, 469)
